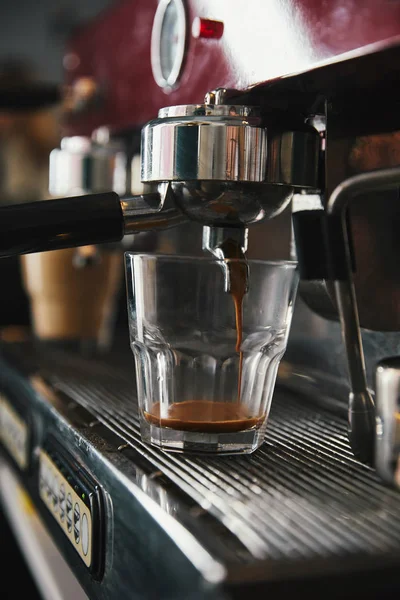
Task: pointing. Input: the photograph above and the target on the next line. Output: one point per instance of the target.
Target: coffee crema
(204, 416)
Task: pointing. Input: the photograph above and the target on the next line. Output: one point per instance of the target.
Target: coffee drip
(204, 416)
(238, 277)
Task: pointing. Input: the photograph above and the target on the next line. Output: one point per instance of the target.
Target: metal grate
(301, 496)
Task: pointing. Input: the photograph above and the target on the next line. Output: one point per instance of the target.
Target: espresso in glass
(206, 359)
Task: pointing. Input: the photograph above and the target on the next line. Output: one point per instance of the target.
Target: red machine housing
(260, 41)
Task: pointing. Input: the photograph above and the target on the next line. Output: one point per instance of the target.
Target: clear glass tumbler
(200, 387)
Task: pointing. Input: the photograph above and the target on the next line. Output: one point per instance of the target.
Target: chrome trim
(361, 404)
(204, 147)
(82, 166)
(151, 211)
(227, 143)
(388, 420)
(209, 110)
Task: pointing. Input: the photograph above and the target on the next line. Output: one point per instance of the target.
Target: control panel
(74, 499)
(14, 433)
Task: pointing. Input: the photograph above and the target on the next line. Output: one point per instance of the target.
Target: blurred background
(35, 32)
(32, 44)
(32, 38)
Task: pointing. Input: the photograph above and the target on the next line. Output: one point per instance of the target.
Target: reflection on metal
(361, 405)
(228, 143)
(265, 486)
(151, 211)
(229, 245)
(218, 521)
(387, 453)
(206, 142)
(83, 165)
(225, 167)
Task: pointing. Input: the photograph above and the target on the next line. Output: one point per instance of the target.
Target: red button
(207, 28)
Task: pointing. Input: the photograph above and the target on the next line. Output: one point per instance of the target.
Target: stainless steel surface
(292, 500)
(361, 410)
(224, 165)
(387, 451)
(214, 238)
(227, 143)
(315, 362)
(151, 211)
(361, 404)
(220, 96)
(228, 244)
(230, 203)
(149, 550)
(214, 106)
(346, 302)
(193, 528)
(205, 143)
(82, 165)
(214, 164)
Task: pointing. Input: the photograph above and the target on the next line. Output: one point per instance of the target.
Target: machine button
(69, 512)
(85, 534)
(56, 492)
(62, 502)
(49, 483)
(77, 523)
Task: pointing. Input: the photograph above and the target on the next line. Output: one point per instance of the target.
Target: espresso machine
(281, 120)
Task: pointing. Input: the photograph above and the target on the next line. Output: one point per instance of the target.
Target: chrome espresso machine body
(231, 143)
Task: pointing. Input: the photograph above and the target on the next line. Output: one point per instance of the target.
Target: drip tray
(301, 503)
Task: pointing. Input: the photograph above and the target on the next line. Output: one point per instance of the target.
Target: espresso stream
(205, 415)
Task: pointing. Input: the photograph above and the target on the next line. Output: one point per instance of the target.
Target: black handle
(63, 223)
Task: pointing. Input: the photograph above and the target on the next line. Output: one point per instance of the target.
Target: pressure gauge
(168, 41)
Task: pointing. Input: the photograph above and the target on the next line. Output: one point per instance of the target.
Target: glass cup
(73, 295)
(200, 387)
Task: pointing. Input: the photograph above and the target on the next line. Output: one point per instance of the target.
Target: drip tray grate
(301, 496)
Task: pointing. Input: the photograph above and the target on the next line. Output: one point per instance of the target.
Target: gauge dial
(168, 42)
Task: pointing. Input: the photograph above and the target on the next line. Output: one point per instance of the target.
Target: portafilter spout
(229, 245)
